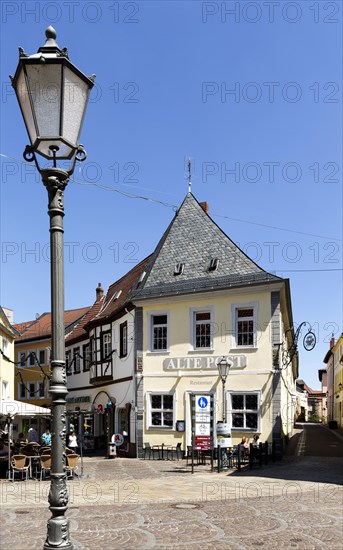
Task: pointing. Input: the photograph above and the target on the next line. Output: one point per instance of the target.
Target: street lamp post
(53, 95)
(224, 366)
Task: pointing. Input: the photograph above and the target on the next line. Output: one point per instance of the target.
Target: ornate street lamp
(224, 365)
(53, 95)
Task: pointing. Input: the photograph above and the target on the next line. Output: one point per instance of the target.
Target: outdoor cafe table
(161, 448)
(31, 459)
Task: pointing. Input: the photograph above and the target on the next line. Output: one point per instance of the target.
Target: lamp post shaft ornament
(53, 123)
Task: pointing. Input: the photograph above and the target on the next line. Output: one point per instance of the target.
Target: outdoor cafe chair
(147, 450)
(174, 452)
(29, 450)
(151, 451)
(19, 464)
(72, 465)
(45, 465)
(45, 451)
(189, 455)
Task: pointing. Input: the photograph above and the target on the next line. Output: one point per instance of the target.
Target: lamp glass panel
(75, 99)
(24, 101)
(45, 90)
(223, 368)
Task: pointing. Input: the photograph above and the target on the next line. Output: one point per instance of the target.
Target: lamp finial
(50, 33)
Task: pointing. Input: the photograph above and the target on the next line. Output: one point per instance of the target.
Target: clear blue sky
(254, 97)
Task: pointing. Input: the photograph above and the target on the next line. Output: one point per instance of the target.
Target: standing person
(72, 441)
(256, 447)
(3, 452)
(246, 447)
(46, 437)
(33, 436)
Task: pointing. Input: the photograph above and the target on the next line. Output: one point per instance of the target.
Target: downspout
(134, 379)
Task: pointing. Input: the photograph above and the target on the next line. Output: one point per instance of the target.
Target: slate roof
(41, 327)
(193, 239)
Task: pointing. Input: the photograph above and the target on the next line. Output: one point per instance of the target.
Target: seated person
(21, 438)
(46, 437)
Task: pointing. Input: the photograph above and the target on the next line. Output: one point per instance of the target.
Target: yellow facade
(32, 372)
(182, 371)
(7, 335)
(338, 381)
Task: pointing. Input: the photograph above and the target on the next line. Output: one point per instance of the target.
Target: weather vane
(189, 168)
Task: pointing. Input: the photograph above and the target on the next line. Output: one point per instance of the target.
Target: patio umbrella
(11, 407)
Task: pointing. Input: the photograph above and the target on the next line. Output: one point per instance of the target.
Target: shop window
(245, 411)
(31, 390)
(77, 360)
(93, 350)
(86, 355)
(4, 389)
(161, 410)
(123, 339)
(201, 327)
(106, 345)
(68, 362)
(41, 356)
(159, 332)
(40, 388)
(21, 359)
(245, 322)
(202, 330)
(22, 390)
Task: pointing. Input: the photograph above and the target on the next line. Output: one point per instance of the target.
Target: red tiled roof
(41, 327)
(79, 332)
(111, 305)
(307, 388)
(20, 327)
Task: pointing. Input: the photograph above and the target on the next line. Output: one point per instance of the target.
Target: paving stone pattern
(135, 504)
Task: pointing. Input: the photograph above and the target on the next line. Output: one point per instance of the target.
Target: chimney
(332, 341)
(204, 206)
(99, 291)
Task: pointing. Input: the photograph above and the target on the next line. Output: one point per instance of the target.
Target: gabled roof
(41, 327)
(79, 332)
(6, 326)
(194, 239)
(311, 393)
(119, 294)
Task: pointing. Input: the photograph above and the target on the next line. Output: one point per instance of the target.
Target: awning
(20, 408)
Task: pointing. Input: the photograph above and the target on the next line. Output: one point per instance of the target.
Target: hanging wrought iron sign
(289, 351)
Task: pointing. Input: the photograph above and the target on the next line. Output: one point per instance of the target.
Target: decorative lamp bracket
(289, 350)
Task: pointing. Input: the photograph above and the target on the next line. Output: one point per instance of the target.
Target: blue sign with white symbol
(202, 402)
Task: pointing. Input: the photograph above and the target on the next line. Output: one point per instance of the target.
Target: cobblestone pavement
(136, 505)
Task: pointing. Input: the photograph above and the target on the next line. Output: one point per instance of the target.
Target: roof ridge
(194, 238)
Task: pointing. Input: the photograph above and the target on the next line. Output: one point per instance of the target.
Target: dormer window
(213, 265)
(141, 278)
(178, 270)
(116, 295)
